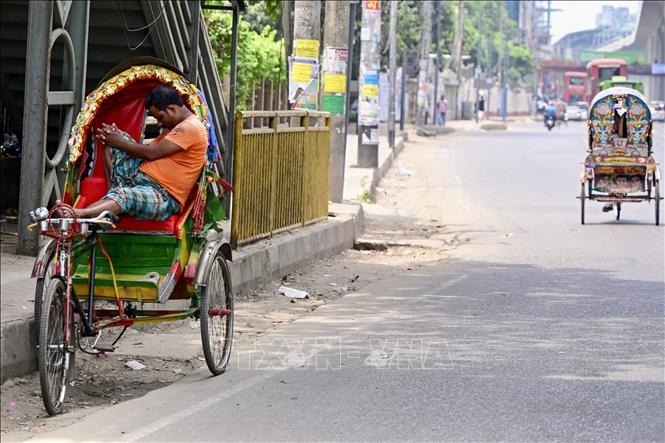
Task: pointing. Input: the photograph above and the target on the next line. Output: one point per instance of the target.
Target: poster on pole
(368, 80)
(368, 104)
(303, 83)
(384, 95)
(306, 48)
(370, 31)
(335, 60)
(334, 79)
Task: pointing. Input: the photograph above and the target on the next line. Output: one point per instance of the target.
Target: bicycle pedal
(105, 348)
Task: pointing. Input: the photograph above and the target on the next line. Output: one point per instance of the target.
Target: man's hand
(111, 135)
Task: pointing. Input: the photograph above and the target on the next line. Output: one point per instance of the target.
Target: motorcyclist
(550, 112)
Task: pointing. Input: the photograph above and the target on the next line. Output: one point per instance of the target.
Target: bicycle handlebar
(40, 216)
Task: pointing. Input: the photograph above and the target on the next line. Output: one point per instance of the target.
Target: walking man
(441, 109)
(481, 107)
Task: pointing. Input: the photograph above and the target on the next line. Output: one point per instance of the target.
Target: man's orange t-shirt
(178, 172)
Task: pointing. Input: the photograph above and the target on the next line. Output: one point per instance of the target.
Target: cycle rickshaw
(99, 273)
(620, 167)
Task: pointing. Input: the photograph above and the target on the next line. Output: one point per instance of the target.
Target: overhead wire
(150, 26)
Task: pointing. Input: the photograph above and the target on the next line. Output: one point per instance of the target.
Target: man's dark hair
(162, 96)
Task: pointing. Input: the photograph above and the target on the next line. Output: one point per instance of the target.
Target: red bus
(604, 69)
(575, 88)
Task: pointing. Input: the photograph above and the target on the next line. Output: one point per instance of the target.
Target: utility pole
(353, 8)
(459, 40)
(392, 74)
(423, 77)
(304, 66)
(335, 94)
(504, 65)
(437, 62)
(287, 32)
(479, 68)
(402, 94)
(368, 85)
(424, 92)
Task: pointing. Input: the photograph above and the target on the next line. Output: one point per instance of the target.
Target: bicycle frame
(95, 320)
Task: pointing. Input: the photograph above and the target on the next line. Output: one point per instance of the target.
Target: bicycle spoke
(54, 353)
(216, 314)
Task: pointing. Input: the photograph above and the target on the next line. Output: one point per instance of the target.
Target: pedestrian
(481, 107)
(441, 109)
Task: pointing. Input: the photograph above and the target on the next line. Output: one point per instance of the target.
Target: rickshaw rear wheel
(582, 198)
(216, 315)
(55, 355)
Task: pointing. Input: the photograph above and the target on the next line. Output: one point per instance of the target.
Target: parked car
(583, 105)
(574, 112)
(658, 110)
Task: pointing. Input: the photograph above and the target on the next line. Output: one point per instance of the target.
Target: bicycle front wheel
(216, 315)
(55, 353)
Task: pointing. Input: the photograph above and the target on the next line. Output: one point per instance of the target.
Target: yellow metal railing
(280, 172)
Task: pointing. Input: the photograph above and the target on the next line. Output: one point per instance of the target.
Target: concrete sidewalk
(252, 265)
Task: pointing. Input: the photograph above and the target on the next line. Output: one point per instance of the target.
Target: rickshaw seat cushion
(94, 188)
(91, 190)
(169, 225)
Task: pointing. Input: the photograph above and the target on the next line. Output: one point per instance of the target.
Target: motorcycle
(549, 122)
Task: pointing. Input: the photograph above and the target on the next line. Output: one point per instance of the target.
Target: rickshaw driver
(152, 181)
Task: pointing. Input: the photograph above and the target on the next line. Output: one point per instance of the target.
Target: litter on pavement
(292, 293)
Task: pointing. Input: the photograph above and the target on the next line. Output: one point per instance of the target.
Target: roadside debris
(423, 132)
(493, 126)
(134, 365)
(292, 293)
(403, 172)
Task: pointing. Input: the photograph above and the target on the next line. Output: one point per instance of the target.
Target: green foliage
(521, 64)
(366, 196)
(260, 55)
(409, 29)
(409, 26)
(263, 13)
(486, 39)
(447, 21)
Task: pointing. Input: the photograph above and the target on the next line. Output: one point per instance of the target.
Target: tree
(521, 64)
(262, 13)
(409, 17)
(260, 55)
(494, 38)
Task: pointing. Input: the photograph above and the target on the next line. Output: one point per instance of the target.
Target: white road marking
(193, 409)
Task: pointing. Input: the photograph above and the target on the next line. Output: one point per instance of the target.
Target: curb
(19, 356)
(259, 263)
(381, 171)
